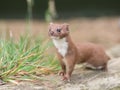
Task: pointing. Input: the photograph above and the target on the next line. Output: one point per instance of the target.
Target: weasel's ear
(49, 28)
(51, 24)
(66, 26)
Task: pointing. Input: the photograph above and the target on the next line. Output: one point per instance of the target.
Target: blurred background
(65, 8)
(96, 21)
(25, 47)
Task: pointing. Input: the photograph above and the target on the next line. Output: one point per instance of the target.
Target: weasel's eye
(58, 30)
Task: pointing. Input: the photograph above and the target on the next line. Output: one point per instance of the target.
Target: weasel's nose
(51, 32)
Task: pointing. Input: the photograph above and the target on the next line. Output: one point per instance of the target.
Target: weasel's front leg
(69, 69)
(63, 71)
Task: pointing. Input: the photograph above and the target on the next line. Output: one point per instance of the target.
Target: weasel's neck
(63, 45)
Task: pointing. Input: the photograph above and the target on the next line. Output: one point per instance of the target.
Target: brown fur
(90, 53)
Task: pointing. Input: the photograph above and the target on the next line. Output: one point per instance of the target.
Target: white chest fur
(61, 45)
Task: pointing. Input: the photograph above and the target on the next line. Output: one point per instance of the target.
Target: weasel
(70, 53)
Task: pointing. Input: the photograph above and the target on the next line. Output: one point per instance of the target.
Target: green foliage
(25, 57)
(48, 16)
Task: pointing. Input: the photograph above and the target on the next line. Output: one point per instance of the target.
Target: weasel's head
(58, 31)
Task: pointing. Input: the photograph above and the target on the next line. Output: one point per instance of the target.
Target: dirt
(102, 30)
(82, 79)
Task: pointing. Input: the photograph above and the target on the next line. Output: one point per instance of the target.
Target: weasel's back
(92, 53)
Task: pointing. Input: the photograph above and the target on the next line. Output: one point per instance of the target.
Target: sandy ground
(105, 31)
(81, 79)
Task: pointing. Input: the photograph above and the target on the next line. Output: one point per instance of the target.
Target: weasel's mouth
(53, 37)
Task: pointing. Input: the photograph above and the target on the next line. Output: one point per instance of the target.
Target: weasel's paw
(66, 78)
(61, 73)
